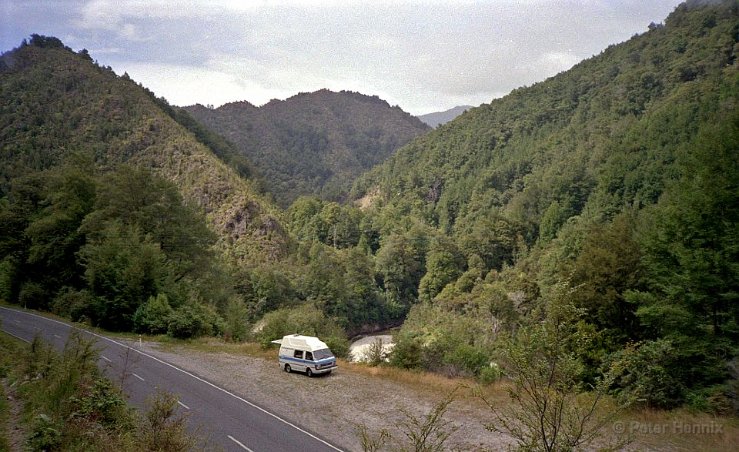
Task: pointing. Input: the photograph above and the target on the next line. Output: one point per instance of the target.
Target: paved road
(229, 421)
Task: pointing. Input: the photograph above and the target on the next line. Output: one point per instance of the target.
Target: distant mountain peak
(442, 117)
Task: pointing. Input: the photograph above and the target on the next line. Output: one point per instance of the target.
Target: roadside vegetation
(609, 423)
(69, 405)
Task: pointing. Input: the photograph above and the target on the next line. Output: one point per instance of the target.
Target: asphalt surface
(227, 421)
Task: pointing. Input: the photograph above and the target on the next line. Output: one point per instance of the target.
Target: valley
(575, 240)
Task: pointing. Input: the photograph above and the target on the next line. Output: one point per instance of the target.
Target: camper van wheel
(287, 368)
(308, 372)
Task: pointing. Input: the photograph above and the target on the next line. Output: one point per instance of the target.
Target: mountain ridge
(312, 143)
(124, 109)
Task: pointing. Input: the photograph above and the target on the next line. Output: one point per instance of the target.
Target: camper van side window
(298, 354)
(309, 356)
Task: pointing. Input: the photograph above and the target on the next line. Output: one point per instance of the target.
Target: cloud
(420, 54)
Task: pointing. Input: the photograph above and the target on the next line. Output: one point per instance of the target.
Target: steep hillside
(55, 103)
(600, 205)
(602, 135)
(442, 117)
(313, 143)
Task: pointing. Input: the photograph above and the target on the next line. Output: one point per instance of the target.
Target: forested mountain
(590, 219)
(313, 143)
(443, 117)
(107, 200)
(612, 188)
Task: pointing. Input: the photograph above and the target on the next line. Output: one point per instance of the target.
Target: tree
(138, 198)
(607, 267)
(123, 268)
(54, 232)
(690, 241)
(401, 266)
(495, 239)
(444, 264)
(548, 412)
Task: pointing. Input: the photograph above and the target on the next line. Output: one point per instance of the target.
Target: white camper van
(305, 354)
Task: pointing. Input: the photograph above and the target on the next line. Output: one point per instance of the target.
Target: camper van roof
(303, 342)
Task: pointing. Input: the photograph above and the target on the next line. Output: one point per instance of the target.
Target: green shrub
(376, 353)
(643, 375)
(719, 400)
(8, 277)
(46, 434)
(407, 352)
(153, 316)
(74, 304)
(489, 374)
(106, 404)
(236, 321)
(161, 430)
(339, 345)
(33, 296)
(186, 322)
(465, 360)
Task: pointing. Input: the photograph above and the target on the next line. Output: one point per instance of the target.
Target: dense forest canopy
(602, 202)
(313, 143)
(617, 178)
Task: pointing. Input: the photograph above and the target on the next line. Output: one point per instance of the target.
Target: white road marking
(57, 336)
(239, 443)
(17, 337)
(165, 363)
(183, 405)
(137, 376)
(106, 358)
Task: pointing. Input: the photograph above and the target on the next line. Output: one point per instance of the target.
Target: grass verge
(69, 405)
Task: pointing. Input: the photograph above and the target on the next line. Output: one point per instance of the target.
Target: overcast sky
(424, 56)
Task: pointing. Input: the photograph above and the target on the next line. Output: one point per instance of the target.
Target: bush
(74, 304)
(161, 430)
(437, 339)
(46, 434)
(375, 354)
(235, 327)
(489, 374)
(72, 407)
(339, 345)
(718, 400)
(33, 296)
(106, 404)
(153, 316)
(465, 360)
(407, 353)
(193, 320)
(8, 276)
(643, 375)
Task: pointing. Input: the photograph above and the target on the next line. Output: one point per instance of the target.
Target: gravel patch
(332, 406)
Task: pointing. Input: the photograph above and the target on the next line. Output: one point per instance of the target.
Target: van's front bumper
(324, 368)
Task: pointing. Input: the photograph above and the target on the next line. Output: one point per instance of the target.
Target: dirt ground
(333, 406)
(16, 433)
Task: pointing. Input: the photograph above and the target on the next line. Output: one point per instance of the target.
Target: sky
(422, 55)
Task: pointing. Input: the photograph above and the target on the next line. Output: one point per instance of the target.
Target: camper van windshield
(322, 354)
